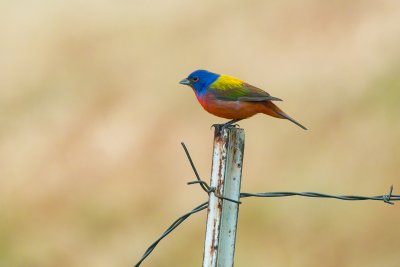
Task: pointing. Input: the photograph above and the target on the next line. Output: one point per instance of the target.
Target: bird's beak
(185, 81)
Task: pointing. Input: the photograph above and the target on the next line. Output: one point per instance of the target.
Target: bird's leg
(228, 124)
(231, 123)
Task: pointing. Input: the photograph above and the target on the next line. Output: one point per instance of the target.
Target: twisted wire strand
(174, 225)
(389, 198)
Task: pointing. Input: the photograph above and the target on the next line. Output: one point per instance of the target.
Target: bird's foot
(220, 127)
(216, 126)
(234, 125)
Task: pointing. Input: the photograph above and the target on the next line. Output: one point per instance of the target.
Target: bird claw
(216, 126)
(220, 127)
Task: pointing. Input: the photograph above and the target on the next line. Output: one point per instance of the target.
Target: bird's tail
(273, 110)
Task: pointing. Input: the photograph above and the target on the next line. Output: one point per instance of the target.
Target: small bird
(231, 98)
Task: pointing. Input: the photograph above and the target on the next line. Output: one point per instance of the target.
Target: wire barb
(387, 197)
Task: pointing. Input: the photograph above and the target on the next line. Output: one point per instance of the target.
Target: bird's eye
(195, 79)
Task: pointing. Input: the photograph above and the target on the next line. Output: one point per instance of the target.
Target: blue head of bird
(200, 80)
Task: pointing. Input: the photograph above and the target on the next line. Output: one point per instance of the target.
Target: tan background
(92, 116)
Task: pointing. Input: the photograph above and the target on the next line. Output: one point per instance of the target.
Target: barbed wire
(385, 198)
(175, 224)
(388, 198)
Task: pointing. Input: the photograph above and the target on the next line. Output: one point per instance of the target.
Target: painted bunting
(231, 98)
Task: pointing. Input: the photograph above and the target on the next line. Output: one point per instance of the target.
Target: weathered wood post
(222, 214)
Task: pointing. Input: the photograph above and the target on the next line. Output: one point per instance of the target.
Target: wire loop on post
(205, 186)
(210, 189)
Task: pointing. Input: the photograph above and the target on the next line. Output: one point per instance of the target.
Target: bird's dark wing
(241, 92)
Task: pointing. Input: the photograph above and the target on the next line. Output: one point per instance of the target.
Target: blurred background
(92, 116)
